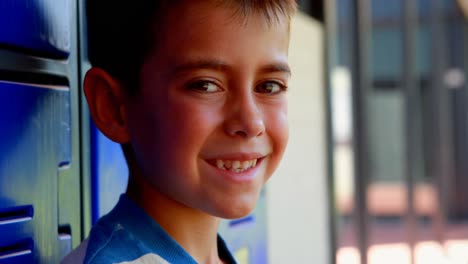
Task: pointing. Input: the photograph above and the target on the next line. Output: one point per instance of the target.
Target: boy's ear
(106, 100)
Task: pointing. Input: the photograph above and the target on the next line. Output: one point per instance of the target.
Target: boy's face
(212, 99)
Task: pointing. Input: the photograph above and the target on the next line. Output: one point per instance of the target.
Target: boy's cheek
(278, 121)
(281, 133)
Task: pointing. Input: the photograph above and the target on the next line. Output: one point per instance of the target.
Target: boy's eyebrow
(219, 65)
(276, 67)
(201, 64)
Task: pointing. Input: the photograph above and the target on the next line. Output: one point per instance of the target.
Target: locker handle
(16, 214)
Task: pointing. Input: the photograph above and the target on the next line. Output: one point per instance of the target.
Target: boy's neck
(194, 230)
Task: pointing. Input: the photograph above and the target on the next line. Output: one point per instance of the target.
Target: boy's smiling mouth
(236, 165)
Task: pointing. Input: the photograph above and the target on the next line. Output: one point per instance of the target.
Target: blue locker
(39, 27)
(109, 173)
(35, 146)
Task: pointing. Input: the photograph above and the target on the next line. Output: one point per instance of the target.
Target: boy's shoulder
(128, 235)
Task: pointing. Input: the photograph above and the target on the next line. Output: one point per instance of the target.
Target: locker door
(39, 148)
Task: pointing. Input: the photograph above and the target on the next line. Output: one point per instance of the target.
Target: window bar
(360, 87)
(412, 116)
(330, 45)
(440, 102)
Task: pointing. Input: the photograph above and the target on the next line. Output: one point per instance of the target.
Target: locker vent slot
(16, 214)
(33, 77)
(20, 248)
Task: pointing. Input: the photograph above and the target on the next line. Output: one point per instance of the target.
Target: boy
(195, 93)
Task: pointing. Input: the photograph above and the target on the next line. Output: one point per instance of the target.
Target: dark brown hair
(120, 31)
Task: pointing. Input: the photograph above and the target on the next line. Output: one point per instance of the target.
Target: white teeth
(235, 165)
(219, 164)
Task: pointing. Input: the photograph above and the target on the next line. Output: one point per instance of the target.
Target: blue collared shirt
(129, 235)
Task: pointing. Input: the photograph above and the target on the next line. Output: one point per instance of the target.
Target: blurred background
(375, 168)
(398, 107)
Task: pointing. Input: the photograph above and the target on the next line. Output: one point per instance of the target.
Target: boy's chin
(235, 212)
(236, 215)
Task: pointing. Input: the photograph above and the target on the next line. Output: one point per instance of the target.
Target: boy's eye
(204, 87)
(270, 88)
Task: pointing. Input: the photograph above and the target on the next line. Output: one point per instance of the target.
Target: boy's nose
(245, 120)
